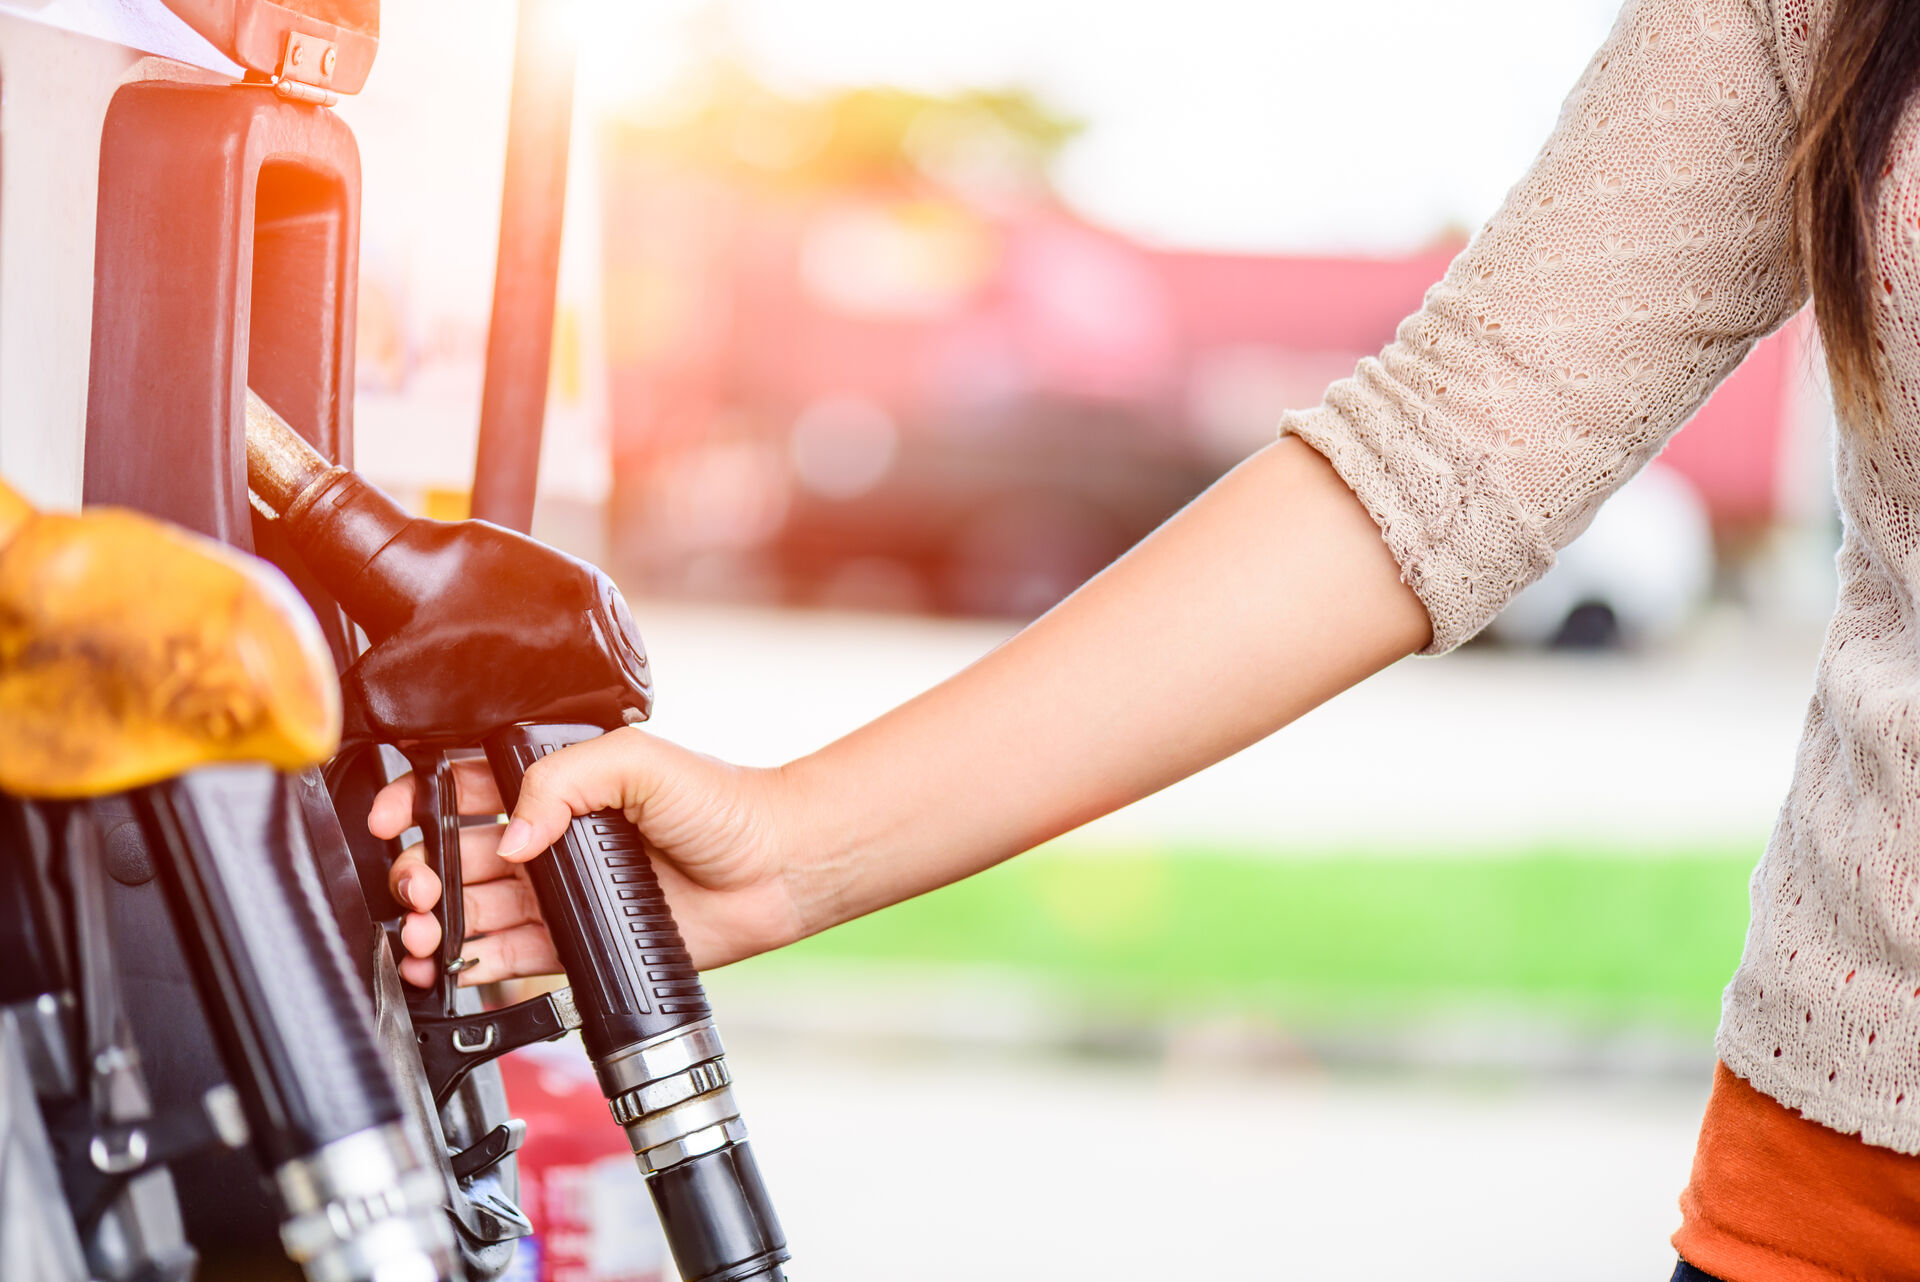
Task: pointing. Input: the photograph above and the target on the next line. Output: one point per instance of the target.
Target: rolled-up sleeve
(1642, 256)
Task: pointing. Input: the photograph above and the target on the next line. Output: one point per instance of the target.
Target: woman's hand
(712, 829)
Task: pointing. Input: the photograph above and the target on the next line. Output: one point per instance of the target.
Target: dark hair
(1865, 69)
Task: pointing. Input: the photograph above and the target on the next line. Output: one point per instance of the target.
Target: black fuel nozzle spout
(483, 636)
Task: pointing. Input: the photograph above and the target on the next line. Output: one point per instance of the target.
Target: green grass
(1585, 934)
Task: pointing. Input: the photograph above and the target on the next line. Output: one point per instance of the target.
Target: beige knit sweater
(1620, 281)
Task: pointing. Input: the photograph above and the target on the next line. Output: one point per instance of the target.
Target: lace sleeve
(1622, 278)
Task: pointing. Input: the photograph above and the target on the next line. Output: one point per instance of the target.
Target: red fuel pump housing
(578, 1181)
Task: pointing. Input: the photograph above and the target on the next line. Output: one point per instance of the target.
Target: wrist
(815, 845)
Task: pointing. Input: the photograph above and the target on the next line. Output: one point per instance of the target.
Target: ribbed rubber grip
(631, 977)
(295, 1027)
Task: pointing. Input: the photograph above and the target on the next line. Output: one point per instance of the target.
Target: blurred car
(998, 519)
(1003, 521)
(1638, 573)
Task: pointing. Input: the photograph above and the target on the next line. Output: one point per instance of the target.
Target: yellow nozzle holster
(132, 650)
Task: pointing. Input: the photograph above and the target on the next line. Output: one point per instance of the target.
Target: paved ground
(1482, 747)
(956, 1170)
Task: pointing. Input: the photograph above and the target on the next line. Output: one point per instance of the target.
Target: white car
(1635, 576)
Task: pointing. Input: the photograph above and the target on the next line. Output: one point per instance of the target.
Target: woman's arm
(1265, 596)
(1269, 594)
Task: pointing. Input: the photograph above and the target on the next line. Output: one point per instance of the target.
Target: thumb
(599, 774)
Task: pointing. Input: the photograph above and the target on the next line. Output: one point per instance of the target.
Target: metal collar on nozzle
(281, 466)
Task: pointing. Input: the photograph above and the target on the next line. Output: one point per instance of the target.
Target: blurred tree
(990, 144)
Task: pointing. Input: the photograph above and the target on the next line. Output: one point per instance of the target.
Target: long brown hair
(1865, 69)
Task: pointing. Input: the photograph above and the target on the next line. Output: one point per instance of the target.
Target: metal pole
(526, 278)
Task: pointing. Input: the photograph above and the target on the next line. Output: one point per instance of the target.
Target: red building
(902, 399)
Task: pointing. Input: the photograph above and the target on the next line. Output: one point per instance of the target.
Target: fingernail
(515, 838)
(405, 891)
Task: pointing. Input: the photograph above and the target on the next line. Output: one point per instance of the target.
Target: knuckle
(423, 937)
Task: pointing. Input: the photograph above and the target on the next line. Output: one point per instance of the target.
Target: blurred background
(882, 327)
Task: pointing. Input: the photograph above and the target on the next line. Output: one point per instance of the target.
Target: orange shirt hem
(1776, 1198)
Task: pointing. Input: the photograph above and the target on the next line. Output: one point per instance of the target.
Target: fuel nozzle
(481, 635)
(473, 626)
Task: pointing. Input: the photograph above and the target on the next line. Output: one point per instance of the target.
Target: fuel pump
(226, 255)
(226, 258)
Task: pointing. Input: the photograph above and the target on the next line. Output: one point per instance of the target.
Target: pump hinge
(306, 70)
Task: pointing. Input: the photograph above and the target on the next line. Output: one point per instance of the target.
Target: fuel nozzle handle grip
(648, 1028)
(631, 976)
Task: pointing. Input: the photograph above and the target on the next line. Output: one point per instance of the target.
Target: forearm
(1263, 598)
